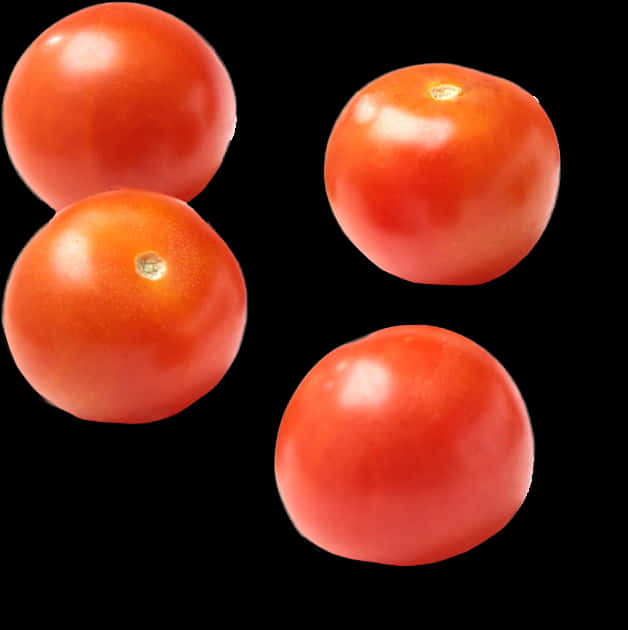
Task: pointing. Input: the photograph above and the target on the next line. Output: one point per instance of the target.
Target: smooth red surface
(118, 95)
(404, 447)
(102, 342)
(451, 191)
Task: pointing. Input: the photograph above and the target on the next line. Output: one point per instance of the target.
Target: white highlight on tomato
(71, 256)
(89, 51)
(367, 382)
(397, 125)
(365, 109)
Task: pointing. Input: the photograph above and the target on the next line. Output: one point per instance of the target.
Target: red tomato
(125, 307)
(118, 95)
(405, 447)
(443, 175)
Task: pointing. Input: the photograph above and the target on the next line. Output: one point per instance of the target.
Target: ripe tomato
(125, 307)
(407, 446)
(118, 95)
(442, 175)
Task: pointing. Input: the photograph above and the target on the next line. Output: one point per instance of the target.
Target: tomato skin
(405, 447)
(118, 95)
(442, 191)
(105, 343)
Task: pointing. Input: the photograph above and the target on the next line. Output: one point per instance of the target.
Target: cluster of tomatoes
(407, 446)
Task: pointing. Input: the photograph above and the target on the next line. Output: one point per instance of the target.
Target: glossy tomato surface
(441, 174)
(118, 95)
(125, 307)
(405, 447)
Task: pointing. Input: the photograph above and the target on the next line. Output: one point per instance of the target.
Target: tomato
(441, 174)
(407, 446)
(118, 95)
(125, 307)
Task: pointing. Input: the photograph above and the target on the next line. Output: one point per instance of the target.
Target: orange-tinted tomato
(443, 175)
(118, 95)
(407, 446)
(125, 307)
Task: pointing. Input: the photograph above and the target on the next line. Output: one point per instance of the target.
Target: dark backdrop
(197, 491)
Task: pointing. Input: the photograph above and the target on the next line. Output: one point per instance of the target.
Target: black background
(195, 494)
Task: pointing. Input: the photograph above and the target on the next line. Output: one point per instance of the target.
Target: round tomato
(125, 307)
(443, 175)
(405, 447)
(118, 95)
